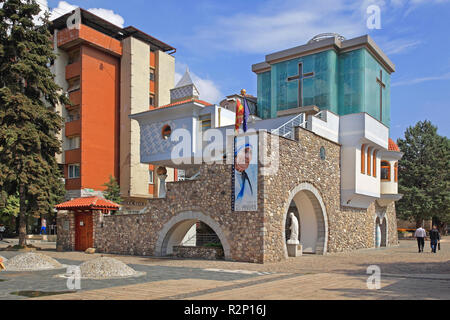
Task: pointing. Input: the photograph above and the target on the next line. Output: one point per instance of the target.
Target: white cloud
(445, 76)
(279, 26)
(109, 16)
(209, 90)
(397, 46)
(65, 7)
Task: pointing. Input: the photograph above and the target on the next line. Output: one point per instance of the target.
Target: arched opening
(191, 229)
(307, 205)
(380, 233)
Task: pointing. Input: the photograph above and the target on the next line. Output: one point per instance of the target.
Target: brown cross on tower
(300, 77)
(382, 86)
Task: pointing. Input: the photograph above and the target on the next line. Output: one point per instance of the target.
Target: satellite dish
(328, 35)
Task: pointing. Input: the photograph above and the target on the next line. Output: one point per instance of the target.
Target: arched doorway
(380, 232)
(175, 233)
(306, 203)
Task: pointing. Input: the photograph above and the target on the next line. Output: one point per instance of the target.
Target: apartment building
(108, 72)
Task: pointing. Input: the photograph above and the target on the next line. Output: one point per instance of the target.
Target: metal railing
(287, 130)
(201, 239)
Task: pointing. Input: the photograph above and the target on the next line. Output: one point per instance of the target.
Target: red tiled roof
(88, 203)
(393, 146)
(206, 104)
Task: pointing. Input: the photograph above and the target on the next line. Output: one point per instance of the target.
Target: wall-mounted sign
(245, 174)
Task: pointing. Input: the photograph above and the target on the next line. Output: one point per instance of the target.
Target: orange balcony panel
(73, 70)
(73, 128)
(69, 38)
(73, 156)
(73, 184)
(152, 59)
(152, 86)
(75, 97)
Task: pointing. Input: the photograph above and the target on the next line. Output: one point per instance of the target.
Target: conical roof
(185, 80)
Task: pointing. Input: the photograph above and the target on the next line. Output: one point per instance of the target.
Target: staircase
(287, 130)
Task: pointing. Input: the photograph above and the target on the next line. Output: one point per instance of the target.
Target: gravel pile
(32, 262)
(107, 268)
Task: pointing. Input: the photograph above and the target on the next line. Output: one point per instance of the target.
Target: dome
(393, 146)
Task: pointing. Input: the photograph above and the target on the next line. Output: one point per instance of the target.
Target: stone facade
(198, 253)
(257, 237)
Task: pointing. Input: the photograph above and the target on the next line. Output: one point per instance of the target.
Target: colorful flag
(240, 112)
(242, 115)
(246, 115)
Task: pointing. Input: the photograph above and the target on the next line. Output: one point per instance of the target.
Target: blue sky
(220, 40)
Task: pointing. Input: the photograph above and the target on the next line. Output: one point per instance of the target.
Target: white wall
(327, 126)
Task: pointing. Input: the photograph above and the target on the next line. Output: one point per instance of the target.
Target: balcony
(73, 156)
(73, 128)
(75, 98)
(73, 70)
(73, 184)
(70, 38)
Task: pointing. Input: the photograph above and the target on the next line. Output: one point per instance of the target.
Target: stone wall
(198, 253)
(66, 237)
(246, 236)
(211, 196)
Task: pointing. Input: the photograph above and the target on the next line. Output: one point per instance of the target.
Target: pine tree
(424, 177)
(112, 192)
(28, 120)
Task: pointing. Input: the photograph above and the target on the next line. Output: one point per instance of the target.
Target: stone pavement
(405, 274)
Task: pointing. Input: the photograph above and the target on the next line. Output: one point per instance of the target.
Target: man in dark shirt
(435, 237)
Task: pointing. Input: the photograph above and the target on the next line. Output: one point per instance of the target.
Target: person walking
(420, 235)
(43, 226)
(2, 230)
(435, 238)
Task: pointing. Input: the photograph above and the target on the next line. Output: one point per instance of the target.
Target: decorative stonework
(247, 236)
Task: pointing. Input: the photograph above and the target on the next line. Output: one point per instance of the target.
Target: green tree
(424, 175)
(28, 121)
(112, 192)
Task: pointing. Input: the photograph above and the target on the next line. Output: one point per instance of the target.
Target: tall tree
(28, 121)
(424, 175)
(112, 192)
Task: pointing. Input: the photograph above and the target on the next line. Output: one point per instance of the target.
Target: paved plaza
(405, 274)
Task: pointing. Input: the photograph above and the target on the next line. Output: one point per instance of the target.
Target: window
(385, 171)
(151, 177)
(181, 175)
(73, 116)
(396, 172)
(369, 161)
(166, 132)
(375, 163)
(205, 122)
(363, 159)
(74, 85)
(73, 143)
(74, 171)
(152, 100)
(74, 56)
(152, 74)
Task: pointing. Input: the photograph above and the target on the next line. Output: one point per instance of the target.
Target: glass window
(385, 171)
(152, 74)
(151, 177)
(74, 171)
(73, 143)
(152, 100)
(181, 175)
(74, 85)
(205, 122)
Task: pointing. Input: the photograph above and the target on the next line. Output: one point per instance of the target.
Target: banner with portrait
(245, 173)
